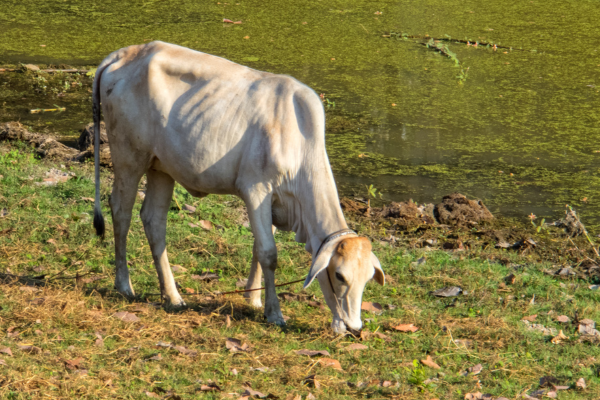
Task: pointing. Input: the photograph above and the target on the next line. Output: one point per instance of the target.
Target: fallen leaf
(310, 396)
(228, 21)
(228, 321)
(430, 363)
(164, 344)
(475, 369)
(74, 364)
(406, 328)
(587, 326)
(210, 387)
(28, 289)
(188, 208)
(185, 351)
(177, 268)
(251, 393)
(375, 308)
(6, 351)
(126, 316)
(530, 318)
(2, 362)
(312, 353)
(447, 291)
(330, 362)
(152, 395)
(235, 345)
(552, 395)
(559, 338)
(580, 384)
(206, 225)
(27, 348)
(155, 357)
(189, 290)
(356, 346)
(563, 319)
(262, 369)
(99, 340)
(246, 37)
(87, 199)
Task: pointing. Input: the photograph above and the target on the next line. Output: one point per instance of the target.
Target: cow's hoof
(126, 290)
(277, 320)
(175, 304)
(256, 303)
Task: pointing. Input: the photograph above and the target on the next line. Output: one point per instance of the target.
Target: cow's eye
(340, 277)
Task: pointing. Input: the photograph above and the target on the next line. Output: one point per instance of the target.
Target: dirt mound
(571, 224)
(86, 139)
(45, 146)
(48, 147)
(407, 211)
(456, 209)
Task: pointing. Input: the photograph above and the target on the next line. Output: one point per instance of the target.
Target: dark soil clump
(86, 138)
(46, 146)
(456, 209)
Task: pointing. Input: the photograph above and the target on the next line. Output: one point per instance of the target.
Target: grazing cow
(214, 126)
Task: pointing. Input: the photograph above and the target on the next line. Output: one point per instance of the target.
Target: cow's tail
(98, 217)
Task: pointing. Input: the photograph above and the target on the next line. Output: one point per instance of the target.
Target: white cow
(214, 126)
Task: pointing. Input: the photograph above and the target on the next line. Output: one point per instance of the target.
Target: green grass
(47, 230)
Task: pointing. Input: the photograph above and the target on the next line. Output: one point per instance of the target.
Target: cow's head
(343, 267)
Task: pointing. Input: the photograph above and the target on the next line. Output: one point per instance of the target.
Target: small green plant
(462, 75)
(329, 103)
(180, 196)
(538, 227)
(372, 192)
(418, 375)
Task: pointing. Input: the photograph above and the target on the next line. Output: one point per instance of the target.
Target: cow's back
(205, 120)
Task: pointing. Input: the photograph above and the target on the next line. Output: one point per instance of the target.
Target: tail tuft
(99, 223)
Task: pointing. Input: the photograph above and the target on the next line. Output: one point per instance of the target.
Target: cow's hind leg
(254, 279)
(258, 202)
(159, 192)
(121, 204)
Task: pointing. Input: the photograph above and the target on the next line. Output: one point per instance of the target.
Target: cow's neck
(322, 214)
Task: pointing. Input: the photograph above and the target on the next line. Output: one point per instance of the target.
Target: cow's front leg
(258, 202)
(255, 279)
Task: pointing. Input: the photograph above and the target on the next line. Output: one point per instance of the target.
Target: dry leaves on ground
(430, 363)
(356, 346)
(126, 316)
(559, 338)
(406, 328)
(530, 318)
(235, 345)
(375, 308)
(563, 319)
(6, 350)
(366, 335)
(330, 362)
(580, 384)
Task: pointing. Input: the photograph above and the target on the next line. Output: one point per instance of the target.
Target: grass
(46, 230)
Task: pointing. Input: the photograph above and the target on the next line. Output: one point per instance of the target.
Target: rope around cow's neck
(334, 235)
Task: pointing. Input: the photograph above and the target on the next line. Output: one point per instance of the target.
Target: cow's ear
(379, 275)
(321, 261)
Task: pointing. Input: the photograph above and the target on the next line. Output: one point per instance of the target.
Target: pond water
(515, 126)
